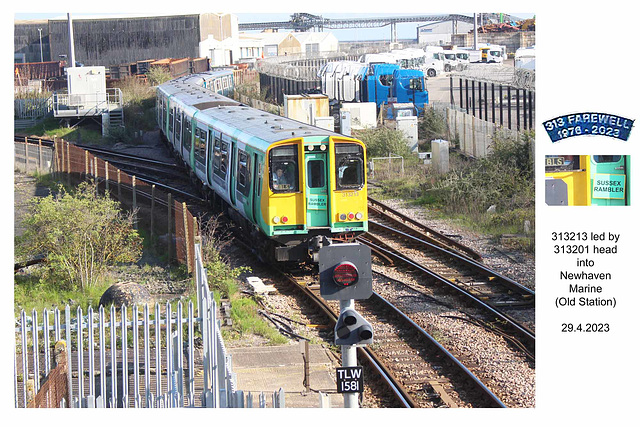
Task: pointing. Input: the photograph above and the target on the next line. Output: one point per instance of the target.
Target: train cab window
(606, 159)
(315, 174)
(244, 173)
(563, 163)
(349, 166)
(283, 164)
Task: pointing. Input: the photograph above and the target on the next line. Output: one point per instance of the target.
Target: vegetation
(504, 179)
(80, 234)
(222, 281)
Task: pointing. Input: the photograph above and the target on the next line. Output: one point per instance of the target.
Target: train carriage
(290, 185)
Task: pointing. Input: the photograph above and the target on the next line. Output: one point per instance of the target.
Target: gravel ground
(518, 265)
(506, 372)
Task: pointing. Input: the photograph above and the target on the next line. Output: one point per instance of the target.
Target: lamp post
(40, 32)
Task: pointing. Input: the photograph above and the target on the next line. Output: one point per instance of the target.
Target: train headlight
(343, 217)
(345, 274)
(276, 219)
(323, 147)
(359, 216)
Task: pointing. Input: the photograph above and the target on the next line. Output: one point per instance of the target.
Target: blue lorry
(381, 83)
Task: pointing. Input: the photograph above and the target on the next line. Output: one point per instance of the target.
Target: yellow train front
(316, 189)
(587, 180)
(289, 185)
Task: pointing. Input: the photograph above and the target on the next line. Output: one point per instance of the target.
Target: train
(291, 187)
(587, 180)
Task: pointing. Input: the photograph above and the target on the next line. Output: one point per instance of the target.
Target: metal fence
(128, 356)
(498, 94)
(31, 157)
(167, 220)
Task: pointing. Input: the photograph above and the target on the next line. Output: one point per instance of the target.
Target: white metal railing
(31, 108)
(87, 103)
(146, 359)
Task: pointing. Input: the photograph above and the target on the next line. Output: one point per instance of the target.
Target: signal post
(345, 275)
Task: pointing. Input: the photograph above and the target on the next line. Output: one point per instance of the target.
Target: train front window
(606, 159)
(315, 174)
(349, 166)
(283, 164)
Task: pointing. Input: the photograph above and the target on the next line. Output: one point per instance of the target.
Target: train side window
(186, 133)
(171, 114)
(283, 167)
(349, 166)
(178, 133)
(224, 156)
(244, 177)
(606, 159)
(217, 155)
(200, 145)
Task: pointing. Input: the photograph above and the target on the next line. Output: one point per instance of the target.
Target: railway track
(401, 348)
(383, 215)
(499, 298)
(418, 371)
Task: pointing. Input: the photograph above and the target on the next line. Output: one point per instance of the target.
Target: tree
(80, 234)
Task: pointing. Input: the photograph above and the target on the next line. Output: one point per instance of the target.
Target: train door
(609, 186)
(232, 162)
(317, 189)
(257, 186)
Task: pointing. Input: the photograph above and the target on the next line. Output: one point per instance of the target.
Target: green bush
(382, 141)
(80, 233)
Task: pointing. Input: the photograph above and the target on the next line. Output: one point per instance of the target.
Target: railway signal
(345, 271)
(352, 329)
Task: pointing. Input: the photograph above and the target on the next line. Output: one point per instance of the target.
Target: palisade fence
(117, 357)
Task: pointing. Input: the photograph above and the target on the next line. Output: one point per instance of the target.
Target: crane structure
(307, 21)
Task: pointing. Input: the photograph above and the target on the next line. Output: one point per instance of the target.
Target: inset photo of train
(587, 180)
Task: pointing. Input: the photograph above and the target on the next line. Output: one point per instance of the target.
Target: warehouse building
(118, 40)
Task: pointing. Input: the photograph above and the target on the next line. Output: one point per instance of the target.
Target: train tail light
(345, 274)
(351, 216)
(284, 219)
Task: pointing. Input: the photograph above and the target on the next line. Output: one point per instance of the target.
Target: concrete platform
(267, 369)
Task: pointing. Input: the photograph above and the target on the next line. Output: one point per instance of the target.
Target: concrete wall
(512, 41)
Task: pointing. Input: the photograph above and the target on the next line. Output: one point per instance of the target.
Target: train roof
(238, 120)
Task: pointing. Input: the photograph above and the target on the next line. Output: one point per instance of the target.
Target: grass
(32, 292)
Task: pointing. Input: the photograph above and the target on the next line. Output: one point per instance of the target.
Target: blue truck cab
(385, 81)
(409, 87)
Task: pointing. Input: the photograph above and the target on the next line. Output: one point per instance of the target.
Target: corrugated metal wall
(124, 40)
